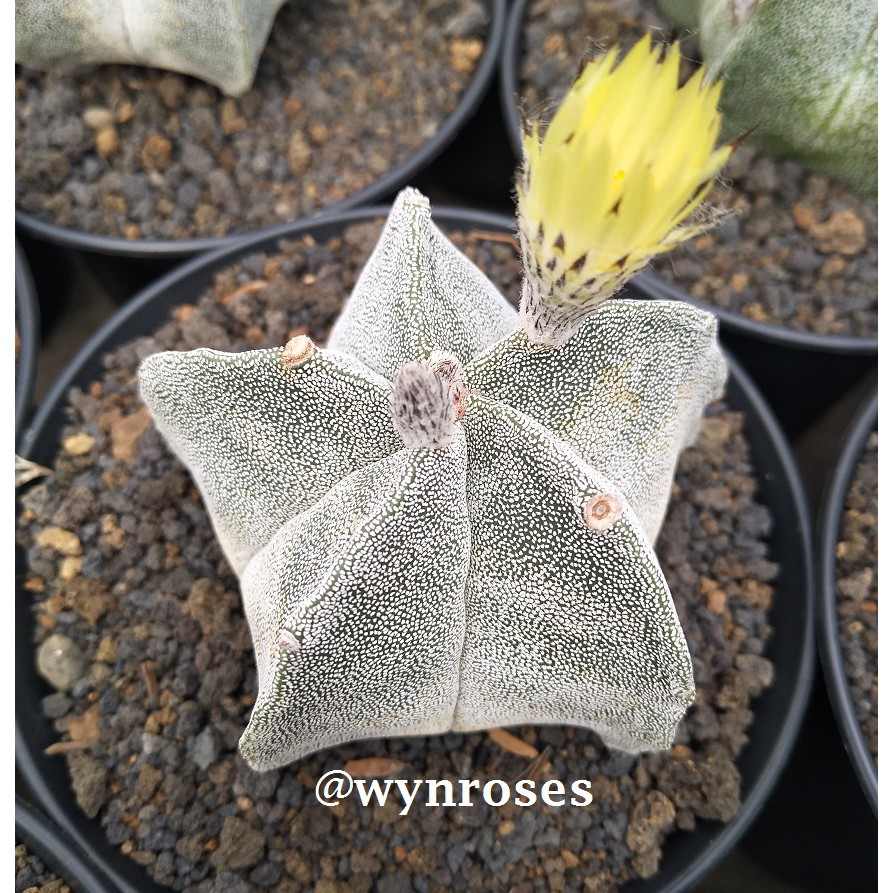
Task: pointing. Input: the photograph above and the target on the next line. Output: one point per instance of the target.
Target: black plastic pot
(801, 374)
(56, 851)
(53, 271)
(687, 858)
(27, 319)
(128, 265)
(826, 592)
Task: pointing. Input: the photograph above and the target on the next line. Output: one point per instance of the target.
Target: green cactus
(805, 72)
(445, 520)
(216, 40)
(439, 524)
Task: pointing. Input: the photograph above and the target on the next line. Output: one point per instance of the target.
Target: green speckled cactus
(805, 72)
(216, 40)
(440, 523)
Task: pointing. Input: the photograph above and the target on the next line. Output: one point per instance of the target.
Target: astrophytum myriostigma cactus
(439, 523)
(215, 40)
(805, 73)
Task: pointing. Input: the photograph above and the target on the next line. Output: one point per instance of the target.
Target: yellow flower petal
(613, 181)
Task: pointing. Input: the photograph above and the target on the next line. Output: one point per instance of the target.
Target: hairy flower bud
(626, 161)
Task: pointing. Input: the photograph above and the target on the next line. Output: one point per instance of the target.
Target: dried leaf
(486, 236)
(246, 289)
(84, 729)
(58, 747)
(147, 669)
(536, 767)
(27, 471)
(513, 744)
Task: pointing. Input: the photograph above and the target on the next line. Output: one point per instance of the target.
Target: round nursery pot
(847, 556)
(469, 34)
(27, 321)
(796, 293)
(53, 272)
(50, 852)
(314, 838)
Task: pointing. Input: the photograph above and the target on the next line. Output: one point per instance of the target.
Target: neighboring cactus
(451, 528)
(804, 72)
(215, 40)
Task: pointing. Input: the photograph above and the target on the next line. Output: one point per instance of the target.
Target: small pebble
(108, 142)
(61, 662)
(56, 705)
(32, 875)
(98, 118)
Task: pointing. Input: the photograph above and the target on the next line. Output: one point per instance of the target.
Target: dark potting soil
(157, 678)
(345, 92)
(796, 250)
(857, 590)
(32, 876)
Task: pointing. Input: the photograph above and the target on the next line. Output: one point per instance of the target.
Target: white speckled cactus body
(423, 550)
(216, 40)
(444, 520)
(805, 73)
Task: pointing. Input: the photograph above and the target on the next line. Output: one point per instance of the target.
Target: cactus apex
(422, 405)
(412, 197)
(418, 293)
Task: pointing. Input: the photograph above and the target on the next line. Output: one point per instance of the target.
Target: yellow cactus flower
(628, 158)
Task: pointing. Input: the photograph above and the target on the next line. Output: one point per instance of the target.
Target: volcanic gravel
(123, 563)
(345, 91)
(857, 590)
(796, 250)
(32, 876)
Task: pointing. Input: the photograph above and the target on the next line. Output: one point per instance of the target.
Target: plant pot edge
(388, 183)
(864, 422)
(720, 838)
(48, 842)
(28, 316)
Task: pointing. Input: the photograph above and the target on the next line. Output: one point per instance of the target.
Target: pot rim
(56, 850)
(772, 333)
(830, 650)
(27, 314)
(690, 856)
(387, 184)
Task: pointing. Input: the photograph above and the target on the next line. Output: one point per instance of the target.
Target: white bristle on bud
(422, 406)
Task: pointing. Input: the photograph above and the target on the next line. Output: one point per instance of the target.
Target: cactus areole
(440, 522)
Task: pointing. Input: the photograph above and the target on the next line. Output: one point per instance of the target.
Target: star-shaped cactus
(218, 41)
(444, 520)
(464, 546)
